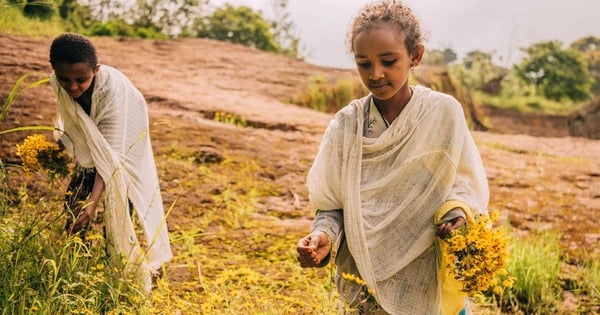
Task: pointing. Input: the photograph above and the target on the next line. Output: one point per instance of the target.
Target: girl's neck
(391, 108)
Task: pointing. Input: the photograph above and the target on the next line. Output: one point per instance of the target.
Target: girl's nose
(72, 86)
(376, 72)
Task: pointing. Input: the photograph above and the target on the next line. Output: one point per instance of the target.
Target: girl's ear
(417, 55)
(96, 69)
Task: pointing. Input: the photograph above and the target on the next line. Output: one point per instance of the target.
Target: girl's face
(383, 61)
(75, 78)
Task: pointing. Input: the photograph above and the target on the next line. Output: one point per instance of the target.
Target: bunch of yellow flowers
(477, 256)
(37, 154)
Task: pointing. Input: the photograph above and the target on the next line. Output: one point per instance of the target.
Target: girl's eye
(363, 64)
(81, 80)
(389, 62)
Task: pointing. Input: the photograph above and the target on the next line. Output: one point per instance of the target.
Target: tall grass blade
(15, 92)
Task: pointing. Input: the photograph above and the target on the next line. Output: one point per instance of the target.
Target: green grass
(12, 21)
(528, 104)
(535, 263)
(329, 97)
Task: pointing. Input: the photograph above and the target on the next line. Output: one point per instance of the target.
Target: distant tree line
(172, 18)
(549, 69)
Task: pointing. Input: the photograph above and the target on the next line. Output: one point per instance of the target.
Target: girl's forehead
(385, 37)
(78, 69)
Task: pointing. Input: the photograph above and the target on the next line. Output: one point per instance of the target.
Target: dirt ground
(536, 182)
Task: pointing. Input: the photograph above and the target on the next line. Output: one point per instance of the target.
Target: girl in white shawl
(103, 122)
(388, 164)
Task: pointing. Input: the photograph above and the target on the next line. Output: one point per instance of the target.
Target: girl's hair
(72, 48)
(388, 11)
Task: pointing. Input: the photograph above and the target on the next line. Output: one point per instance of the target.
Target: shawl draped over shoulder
(390, 188)
(115, 140)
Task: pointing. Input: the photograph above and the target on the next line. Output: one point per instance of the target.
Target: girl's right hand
(312, 249)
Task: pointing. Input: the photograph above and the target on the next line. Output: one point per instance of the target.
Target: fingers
(446, 228)
(82, 221)
(315, 240)
(458, 222)
(307, 254)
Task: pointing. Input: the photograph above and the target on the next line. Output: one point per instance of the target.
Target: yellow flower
(39, 154)
(477, 256)
(352, 278)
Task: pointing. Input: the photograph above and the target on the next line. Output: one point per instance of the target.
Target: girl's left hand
(447, 227)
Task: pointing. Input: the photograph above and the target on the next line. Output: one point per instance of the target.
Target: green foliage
(13, 21)
(585, 44)
(590, 47)
(42, 9)
(168, 17)
(555, 72)
(239, 25)
(159, 19)
(120, 28)
(520, 103)
(326, 97)
(283, 30)
(438, 57)
(75, 16)
(43, 270)
(479, 73)
(535, 263)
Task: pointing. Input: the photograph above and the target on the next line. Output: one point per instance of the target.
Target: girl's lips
(378, 87)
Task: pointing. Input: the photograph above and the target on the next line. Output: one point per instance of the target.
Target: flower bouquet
(477, 256)
(39, 154)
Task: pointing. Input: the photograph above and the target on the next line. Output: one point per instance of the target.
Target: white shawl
(115, 140)
(390, 188)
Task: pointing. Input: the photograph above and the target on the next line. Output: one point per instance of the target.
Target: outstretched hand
(312, 249)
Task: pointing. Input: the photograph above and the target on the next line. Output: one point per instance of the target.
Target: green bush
(326, 97)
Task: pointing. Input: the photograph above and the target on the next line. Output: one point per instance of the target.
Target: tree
(586, 44)
(433, 57)
(449, 56)
(438, 57)
(590, 47)
(283, 30)
(556, 73)
(171, 17)
(478, 72)
(41, 9)
(239, 25)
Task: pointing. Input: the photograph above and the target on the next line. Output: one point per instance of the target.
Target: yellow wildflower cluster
(37, 153)
(231, 119)
(353, 278)
(477, 256)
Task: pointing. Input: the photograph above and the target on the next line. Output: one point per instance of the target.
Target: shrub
(329, 98)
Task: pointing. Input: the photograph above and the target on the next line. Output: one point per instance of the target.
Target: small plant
(231, 119)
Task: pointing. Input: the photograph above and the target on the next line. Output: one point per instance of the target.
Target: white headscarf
(390, 188)
(115, 140)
